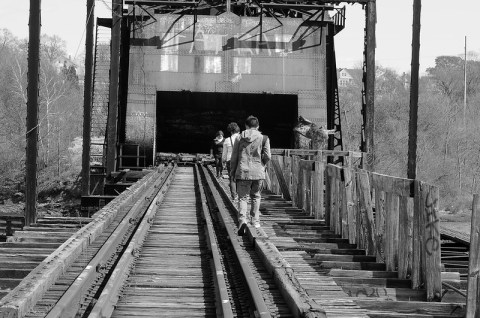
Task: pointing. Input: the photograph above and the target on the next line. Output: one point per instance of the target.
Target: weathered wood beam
(397, 186)
(366, 211)
(310, 152)
(426, 265)
(405, 238)
(281, 179)
(473, 307)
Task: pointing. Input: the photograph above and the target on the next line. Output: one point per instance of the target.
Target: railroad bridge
(334, 241)
(158, 237)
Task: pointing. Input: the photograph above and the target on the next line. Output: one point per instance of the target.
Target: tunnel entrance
(187, 121)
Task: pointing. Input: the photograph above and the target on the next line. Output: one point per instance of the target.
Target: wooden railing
(392, 218)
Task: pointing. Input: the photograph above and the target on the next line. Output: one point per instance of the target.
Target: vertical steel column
(87, 98)
(123, 80)
(329, 69)
(369, 116)
(32, 113)
(113, 95)
(412, 127)
(333, 105)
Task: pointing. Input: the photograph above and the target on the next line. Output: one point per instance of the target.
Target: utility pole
(465, 89)
(369, 116)
(413, 124)
(32, 113)
(117, 6)
(87, 98)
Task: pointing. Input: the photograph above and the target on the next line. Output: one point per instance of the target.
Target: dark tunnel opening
(187, 121)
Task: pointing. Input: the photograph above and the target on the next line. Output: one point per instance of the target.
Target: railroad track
(173, 253)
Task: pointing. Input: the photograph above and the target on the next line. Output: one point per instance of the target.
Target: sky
(443, 29)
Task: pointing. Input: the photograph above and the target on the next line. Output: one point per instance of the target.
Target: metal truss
(275, 9)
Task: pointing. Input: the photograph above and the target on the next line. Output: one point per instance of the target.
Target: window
(282, 42)
(212, 42)
(242, 65)
(169, 63)
(170, 44)
(213, 64)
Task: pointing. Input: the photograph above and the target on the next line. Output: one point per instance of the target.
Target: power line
(83, 33)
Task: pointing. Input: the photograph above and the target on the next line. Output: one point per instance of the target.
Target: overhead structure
(129, 28)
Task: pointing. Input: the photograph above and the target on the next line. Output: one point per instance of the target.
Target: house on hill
(347, 77)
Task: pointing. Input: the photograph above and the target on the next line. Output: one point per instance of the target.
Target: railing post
(405, 239)
(366, 212)
(277, 168)
(343, 205)
(287, 170)
(336, 203)
(295, 172)
(380, 224)
(473, 309)
(307, 175)
(426, 235)
(318, 191)
(349, 203)
(417, 260)
(391, 231)
(300, 187)
(328, 197)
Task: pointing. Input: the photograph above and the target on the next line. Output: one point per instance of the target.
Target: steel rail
(69, 303)
(257, 294)
(219, 276)
(107, 300)
(295, 296)
(22, 299)
(105, 305)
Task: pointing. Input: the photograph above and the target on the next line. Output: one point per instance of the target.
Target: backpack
(264, 141)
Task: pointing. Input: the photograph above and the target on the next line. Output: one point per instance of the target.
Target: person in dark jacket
(216, 151)
(250, 155)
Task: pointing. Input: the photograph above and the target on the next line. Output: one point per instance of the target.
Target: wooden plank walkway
(455, 236)
(339, 277)
(26, 249)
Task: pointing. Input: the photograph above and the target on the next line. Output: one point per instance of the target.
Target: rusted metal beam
(173, 2)
(87, 98)
(32, 113)
(297, 6)
(163, 3)
(114, 79)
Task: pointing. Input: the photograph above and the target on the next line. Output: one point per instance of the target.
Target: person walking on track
(227, 155)
(250, 155)
(216, 151)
